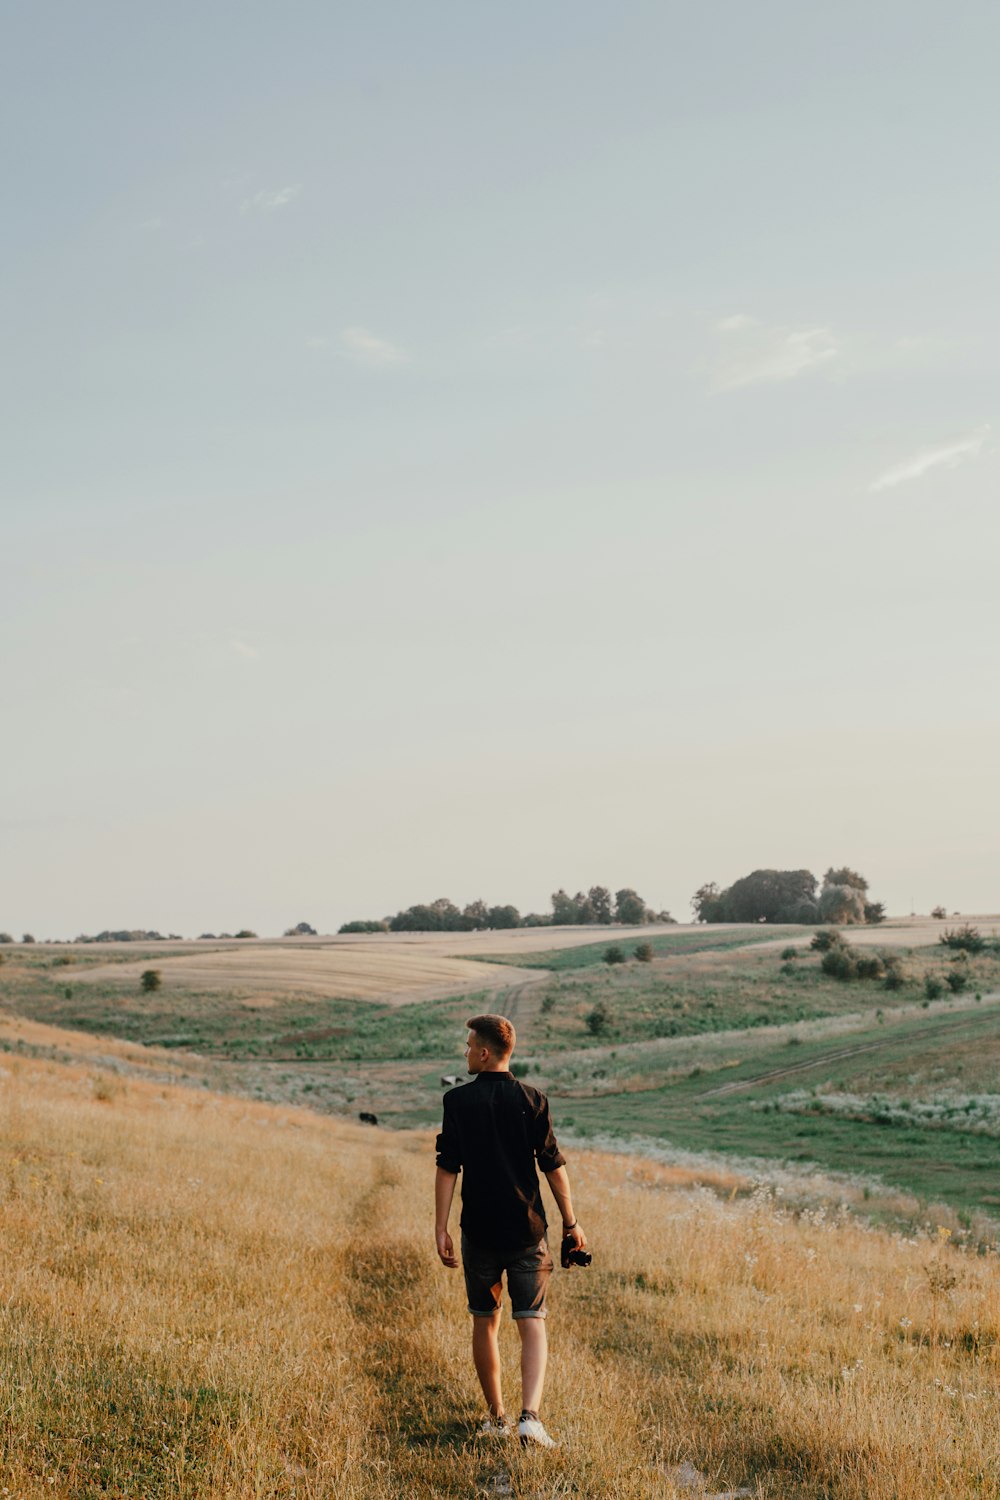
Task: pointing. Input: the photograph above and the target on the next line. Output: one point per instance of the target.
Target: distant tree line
(132, 935)
(789, 896)
(594, 907)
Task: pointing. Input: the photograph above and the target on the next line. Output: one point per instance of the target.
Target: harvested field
(394, 974)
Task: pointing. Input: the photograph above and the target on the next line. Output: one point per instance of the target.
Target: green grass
(954, 1165)
(559, 960)
(231, 1025)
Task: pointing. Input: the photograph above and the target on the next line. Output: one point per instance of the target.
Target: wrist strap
(568, 1227)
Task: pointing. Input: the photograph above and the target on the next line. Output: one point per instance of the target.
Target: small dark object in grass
(367, 1118)
(614, 954)
(151, 980)
(787, 953)
(933, 987)
(644, 953)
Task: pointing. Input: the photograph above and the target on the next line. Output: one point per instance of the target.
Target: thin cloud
(266, 203)
(754, 352)
(946, 455)
(368, 349)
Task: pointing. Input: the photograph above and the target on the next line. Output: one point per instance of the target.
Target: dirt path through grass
(956, 1027)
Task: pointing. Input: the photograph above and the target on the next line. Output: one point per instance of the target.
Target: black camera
(571, 1256)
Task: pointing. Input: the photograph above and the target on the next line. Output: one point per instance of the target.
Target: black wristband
(568, 1227)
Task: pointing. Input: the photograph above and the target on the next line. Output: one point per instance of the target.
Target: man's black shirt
(495, 1128)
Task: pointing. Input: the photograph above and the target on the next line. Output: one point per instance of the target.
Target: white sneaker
(494, 1427)
(533, 1434)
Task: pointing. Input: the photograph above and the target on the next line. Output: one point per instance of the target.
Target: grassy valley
(731, 1041)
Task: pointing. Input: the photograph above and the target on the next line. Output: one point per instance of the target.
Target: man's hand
(578, 1237)
(445, 1249)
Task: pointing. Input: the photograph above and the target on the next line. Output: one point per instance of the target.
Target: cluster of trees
(789, 896)
(444, 916)
(301, 929)
(596, 906)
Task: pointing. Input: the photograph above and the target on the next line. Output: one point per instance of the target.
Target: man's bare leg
(534, 1357)
(486, 1355)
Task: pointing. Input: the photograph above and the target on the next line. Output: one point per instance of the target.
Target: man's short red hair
(496, 1032)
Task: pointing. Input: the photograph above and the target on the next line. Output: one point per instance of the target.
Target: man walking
(495, 1129)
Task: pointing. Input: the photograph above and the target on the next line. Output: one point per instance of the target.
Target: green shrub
(151, 980)
(895, 974)
(933, 987)
(614, 954)
(870, 966)
(825, 939)
(597, 1019)
(787, 953)
(965, 938)
(644, 952)
(956, 979)
(840, 962)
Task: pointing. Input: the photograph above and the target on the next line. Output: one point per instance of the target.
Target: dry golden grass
(205, 1297)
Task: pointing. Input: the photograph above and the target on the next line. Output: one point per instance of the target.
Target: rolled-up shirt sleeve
(546, 1146)
(449, 1146)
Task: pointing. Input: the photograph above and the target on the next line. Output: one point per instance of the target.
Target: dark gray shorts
(528, 1270)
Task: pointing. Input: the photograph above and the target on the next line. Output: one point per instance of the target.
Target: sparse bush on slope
(965, 939)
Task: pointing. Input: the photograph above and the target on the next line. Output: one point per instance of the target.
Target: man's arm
(558, 1181)
(449, 1164)
(444, 1192)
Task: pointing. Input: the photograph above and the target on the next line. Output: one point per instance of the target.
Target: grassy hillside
(207, 1297)
(744, 1051)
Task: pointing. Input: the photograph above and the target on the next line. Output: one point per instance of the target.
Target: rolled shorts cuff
(541, 1313)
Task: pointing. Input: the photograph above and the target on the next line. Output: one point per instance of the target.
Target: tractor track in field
(776, 1074)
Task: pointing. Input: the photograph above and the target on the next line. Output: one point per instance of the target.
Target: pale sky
(466, 450)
